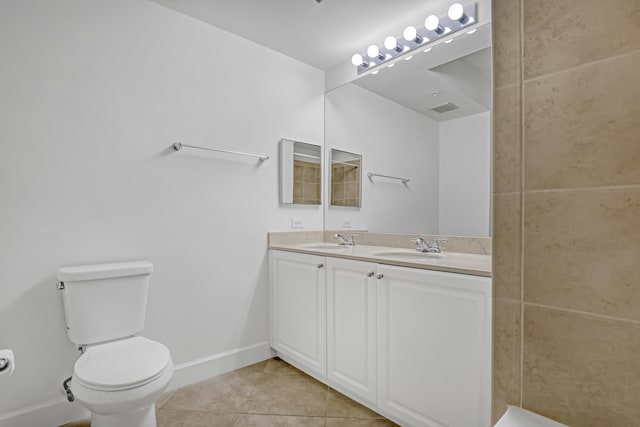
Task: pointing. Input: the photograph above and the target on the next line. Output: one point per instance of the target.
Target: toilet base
(145, 417)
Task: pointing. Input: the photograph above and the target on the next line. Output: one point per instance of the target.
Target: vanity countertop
(452, 262)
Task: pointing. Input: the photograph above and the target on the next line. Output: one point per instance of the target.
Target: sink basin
(325, 246)
(409, 255)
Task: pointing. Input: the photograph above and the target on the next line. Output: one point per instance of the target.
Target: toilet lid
(122, 364)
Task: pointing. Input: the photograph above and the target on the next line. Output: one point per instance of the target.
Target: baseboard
(211, 366)
(56, 412)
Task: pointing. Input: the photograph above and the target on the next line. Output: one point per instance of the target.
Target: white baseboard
(58, 411)
(53, 412)
(211, 366)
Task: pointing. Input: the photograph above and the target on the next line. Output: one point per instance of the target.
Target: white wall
(393, 141)
(465, 175)
(92, 94)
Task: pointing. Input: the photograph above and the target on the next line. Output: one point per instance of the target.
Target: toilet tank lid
(104, 271)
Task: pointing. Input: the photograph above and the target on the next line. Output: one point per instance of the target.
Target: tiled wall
(345, 184)
(306, 183)
(567, 209)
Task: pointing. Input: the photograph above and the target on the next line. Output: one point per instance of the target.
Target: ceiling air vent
(444, 108)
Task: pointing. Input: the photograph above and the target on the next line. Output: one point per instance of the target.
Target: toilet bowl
(121, 380)
(119, 376)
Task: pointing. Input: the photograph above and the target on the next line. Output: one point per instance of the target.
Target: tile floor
(268, 394)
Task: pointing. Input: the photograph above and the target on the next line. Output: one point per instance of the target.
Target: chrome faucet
(348, 241)
(424, 246)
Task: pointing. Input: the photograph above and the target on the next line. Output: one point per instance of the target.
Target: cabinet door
(351, 327)
(434, 347)
(297, 312)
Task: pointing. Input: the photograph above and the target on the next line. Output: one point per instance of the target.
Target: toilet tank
(104, 302)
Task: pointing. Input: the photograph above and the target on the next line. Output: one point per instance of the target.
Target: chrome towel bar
(404, 180)
(179, 145)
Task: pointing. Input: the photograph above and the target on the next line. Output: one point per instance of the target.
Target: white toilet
(119, 376)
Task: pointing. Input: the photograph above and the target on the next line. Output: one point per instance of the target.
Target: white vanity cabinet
(434, 347)
(297, 309)
(410, 343)
(351, 327)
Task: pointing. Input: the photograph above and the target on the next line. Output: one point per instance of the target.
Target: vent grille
(444, 108)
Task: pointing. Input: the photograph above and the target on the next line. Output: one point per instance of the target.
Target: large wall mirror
(426, 120)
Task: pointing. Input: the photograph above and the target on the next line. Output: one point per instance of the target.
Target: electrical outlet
(296, 223)
(346, 223)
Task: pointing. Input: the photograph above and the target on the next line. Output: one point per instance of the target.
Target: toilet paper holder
(7, 362)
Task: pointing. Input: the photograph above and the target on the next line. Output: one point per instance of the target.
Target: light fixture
(358, 60)
(374, 72)
(408, 58)
(391, 65)
(411, 35)
(458, 17)
(390, 43)
(456, 13)
(432, 23)
(374, 53)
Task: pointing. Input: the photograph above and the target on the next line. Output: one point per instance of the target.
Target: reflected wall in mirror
(428, 120)
(346, 179)
(300, 173)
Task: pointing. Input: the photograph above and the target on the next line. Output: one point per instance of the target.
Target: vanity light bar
(434, 27)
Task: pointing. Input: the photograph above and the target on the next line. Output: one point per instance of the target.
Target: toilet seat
(122, 364)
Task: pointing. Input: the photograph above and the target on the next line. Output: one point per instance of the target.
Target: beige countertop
(453, 262)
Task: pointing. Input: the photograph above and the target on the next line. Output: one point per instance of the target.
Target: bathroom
(95, 93)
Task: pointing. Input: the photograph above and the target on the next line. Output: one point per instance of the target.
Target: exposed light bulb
(410, 33)
(427, 50)
(391, 43)
(472, 31)
(408, 58)
(456, 12)
(391, 65)
(432, 23)
(448, 41)
(373, 51)
(357, 60)
(374, 72)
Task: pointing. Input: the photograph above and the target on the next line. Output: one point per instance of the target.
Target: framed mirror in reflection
(300, 173)
(426, 119)
(346, 179)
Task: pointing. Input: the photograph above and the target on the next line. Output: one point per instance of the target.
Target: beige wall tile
(582, 127)
(582, 250)
(507, 243)
(506, 355)
(506, 42)
(309, 174)
(507, 138)
(560, 34)
(581, 371)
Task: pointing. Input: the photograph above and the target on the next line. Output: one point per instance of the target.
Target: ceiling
(323, 35)
(326, 35)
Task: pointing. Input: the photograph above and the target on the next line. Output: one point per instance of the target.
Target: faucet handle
(440, 243)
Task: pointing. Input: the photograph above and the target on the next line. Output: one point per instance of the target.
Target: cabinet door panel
(351, 327)
(434, 332)
(298, 309)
